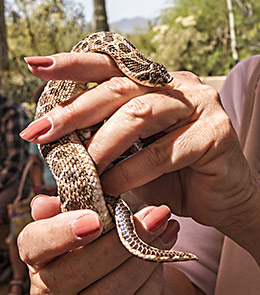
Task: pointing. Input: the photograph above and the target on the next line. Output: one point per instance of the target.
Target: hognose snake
(76, 176)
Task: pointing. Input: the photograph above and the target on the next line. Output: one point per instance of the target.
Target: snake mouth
(169, 80)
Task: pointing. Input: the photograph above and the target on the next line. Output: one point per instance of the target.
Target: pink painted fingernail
(39, 61)
(157, 218)
(36, 129)
(170, 233)
(87, 225)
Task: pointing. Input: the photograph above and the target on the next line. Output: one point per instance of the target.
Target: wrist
(244, 223)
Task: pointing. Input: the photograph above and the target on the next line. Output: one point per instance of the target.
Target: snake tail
(127, 234)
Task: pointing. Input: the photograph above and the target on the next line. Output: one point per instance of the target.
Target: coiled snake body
(76, 176)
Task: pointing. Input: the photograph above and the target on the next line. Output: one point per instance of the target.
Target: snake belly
(74, 171)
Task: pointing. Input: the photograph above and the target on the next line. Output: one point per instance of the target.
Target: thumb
(57, 235)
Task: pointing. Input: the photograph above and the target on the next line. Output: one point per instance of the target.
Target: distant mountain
(130, 25)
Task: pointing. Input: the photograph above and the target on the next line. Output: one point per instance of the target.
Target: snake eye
(153, 75)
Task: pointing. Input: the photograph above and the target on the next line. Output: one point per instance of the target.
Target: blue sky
(119, 9)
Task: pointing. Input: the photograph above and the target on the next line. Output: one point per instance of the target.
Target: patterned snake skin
(76, 176)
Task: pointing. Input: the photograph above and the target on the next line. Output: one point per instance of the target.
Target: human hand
(196, 167)
(62, 260)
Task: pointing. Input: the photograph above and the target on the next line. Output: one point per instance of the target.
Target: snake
(78, 183)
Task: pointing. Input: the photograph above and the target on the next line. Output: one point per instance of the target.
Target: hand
(61, 259)
(196, 167)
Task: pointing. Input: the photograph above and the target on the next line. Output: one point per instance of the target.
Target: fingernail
(35, 200)
(39, 61)
(41, 198)
(87, 225)
(157, 218)
(36, 129)
(171, 231)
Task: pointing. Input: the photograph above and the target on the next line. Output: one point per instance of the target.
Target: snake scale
(75, 173)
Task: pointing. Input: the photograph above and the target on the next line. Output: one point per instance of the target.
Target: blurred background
(203, 36)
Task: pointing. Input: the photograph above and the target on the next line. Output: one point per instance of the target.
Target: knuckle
(36, 290)
(66, 114)
(223, 126)
(119, 86)
(125, 175)
(56, 279)
(190, 76)
(210, 92)
(41, 284)
(137, 108)
(21, 242)
(65, 58)
(157, 155)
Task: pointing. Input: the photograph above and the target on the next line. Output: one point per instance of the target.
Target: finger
(176, 150)
(154, 283)
(81, 67)
(46, 239)
(89, 108)
(84, 67)
(152, 113)
(125, 279)
(141, 117)
(88, 258)
(45, 207)
(151, 219)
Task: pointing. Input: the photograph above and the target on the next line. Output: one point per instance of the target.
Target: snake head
(155, 76)
(159, 76)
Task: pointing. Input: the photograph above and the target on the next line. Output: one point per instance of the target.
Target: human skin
(197, 167)
(68, 263)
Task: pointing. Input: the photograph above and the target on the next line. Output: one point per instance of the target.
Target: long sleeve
(14, 150)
